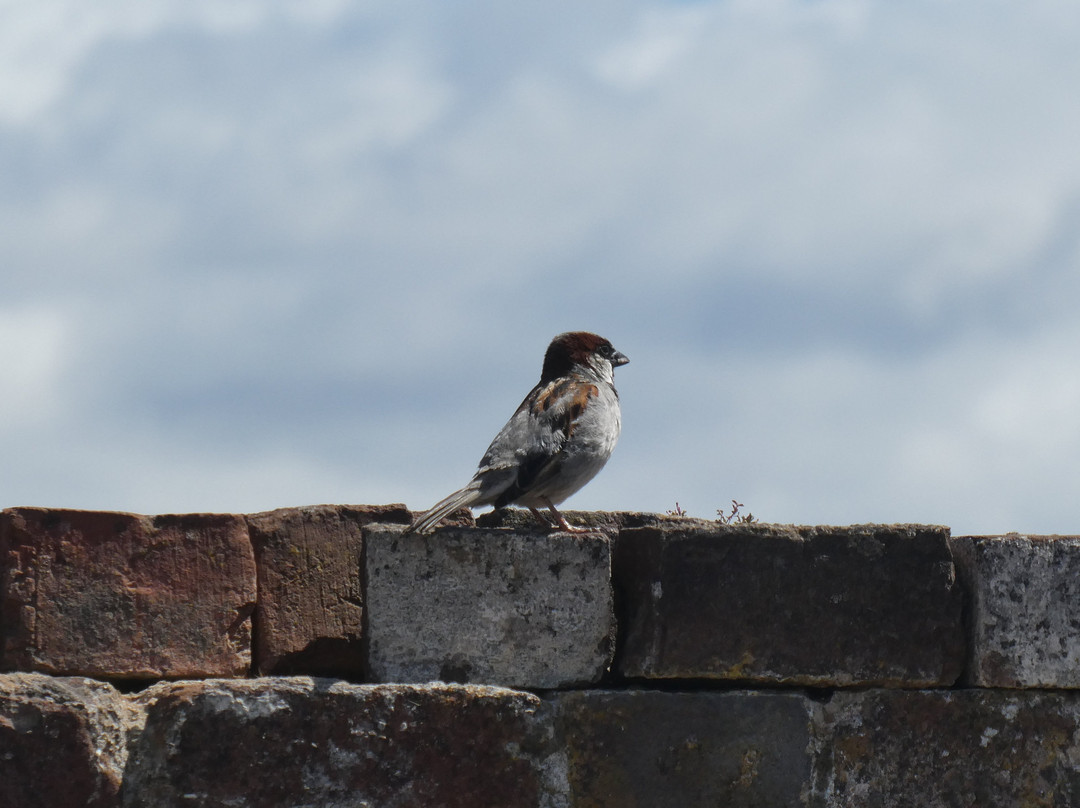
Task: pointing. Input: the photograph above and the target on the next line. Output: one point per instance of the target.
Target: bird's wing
(528, 450)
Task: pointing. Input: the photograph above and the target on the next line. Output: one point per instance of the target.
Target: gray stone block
(820, 606)
(942, 749)
(677, 750)
(62, 742)
(1025, 609)
(512, 608)
(299, 743)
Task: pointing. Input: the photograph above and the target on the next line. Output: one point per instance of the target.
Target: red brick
(311, 602)
(117, 595)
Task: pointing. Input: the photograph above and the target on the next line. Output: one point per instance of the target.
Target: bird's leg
(561, 520)
(541, 518)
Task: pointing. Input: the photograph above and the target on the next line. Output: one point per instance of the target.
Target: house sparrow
(561, 435)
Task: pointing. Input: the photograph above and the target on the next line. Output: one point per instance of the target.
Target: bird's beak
(618, 359)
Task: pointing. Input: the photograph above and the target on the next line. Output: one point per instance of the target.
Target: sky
(264, 254)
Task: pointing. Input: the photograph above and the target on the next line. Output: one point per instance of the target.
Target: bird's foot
(560, 520)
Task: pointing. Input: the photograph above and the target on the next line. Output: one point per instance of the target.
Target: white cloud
(43, 43)
(979, 433)
(651, 51)
(289, 235)
(33, 350)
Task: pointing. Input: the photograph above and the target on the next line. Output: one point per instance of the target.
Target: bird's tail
(444, 507)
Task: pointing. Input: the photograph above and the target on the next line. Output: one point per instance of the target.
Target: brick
(940, 749)
(499, 607)
(673, 750)
(311, 604)
(818, 606)
(117, 595)
(317, 742)
(62, 742)
(1025, 609)
(9, 609)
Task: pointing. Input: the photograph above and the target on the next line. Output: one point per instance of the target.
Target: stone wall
(319, 657)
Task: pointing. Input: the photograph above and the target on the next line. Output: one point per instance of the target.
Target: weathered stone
(1025, 609)
(304, 742)
(646, 749)
(611, 521)
(117, 595)
(941, 749)
(818, 606)
(311, 601)
(9, 610)
(62, 742)
(498, 607)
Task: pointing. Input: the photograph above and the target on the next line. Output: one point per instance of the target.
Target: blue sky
(259, 254)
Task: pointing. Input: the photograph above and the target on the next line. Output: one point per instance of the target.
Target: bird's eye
(606, 350)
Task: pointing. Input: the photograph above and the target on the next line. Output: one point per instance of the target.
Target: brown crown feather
(567, 350)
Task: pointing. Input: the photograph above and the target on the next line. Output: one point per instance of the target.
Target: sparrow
(558, 439)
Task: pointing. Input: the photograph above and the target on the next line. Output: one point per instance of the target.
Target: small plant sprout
(677, 511)
(734, 517)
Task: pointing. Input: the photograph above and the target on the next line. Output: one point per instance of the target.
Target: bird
(558, 439)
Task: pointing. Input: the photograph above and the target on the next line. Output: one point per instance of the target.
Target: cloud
(837, 240)
(32, 351)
